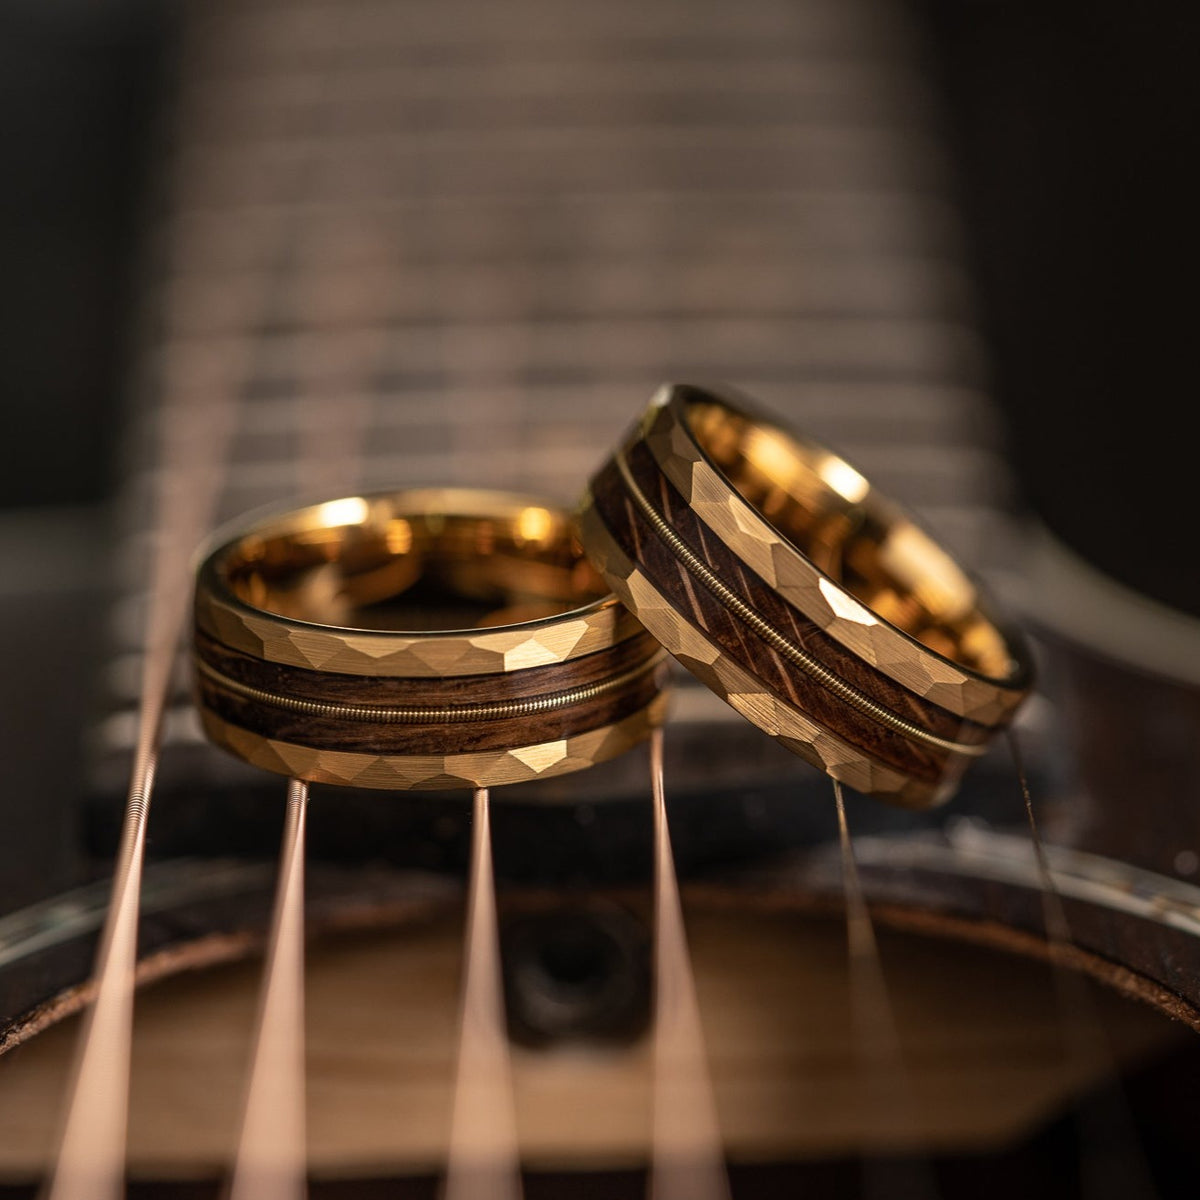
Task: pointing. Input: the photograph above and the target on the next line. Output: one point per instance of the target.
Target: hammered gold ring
(423, 639)
(773, 570)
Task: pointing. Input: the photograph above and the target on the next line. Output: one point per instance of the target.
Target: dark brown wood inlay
(369, 737)
(423, 691)
(694, 603)
(784, 616)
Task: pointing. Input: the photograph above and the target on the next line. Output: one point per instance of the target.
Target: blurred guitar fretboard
(463, 243)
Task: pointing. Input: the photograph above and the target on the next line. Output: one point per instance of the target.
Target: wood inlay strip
(792, 623)
(329, 733)
(704, 611)
(423, 691)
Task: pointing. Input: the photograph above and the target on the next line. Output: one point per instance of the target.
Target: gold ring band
(774, 571)
(426, 639)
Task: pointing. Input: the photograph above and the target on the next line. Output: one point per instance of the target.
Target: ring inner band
(369, 563)
(830, 513)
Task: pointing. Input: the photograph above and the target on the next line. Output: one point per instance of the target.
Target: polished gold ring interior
(818, 609)
(425, 639)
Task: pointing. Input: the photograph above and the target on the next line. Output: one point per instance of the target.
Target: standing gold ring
(424, 639)
(817, 608)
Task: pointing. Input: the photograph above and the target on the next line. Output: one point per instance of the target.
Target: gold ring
(425, 639)
(817, 608)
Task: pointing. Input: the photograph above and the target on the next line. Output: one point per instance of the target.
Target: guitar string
(202, 394)
(889, 1098)
(483, 1159)
(330, 419)
(270, 1159)
(331, 452)
(687, 1160)
(1112, 1160)
(200, 402)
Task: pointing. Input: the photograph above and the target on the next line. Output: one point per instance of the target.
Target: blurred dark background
(1073, 132)
(82, 85)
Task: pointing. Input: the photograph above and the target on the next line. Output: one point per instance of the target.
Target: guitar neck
(418, 258)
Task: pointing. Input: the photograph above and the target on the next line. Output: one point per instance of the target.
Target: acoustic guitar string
(270, 1159)
(883, 1073)
(203, 388)
(331, 410)
(1112, 1158)
(483, 1160)
(197, 417)
(687, 1162)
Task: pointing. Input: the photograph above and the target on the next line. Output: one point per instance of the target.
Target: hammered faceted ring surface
(772, 570)
(419, 639)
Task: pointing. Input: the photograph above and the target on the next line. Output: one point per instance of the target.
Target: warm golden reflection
(843, 479)
(829, 511)
(352, 510)
(376, 563)
(398, 536)
(536, 524)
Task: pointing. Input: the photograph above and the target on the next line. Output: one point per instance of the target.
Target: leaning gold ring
(772, 570)
(422, 639)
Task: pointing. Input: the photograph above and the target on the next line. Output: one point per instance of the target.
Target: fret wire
(484, 228)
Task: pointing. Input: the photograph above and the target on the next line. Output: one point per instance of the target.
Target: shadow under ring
(425, 639)
(817, 608)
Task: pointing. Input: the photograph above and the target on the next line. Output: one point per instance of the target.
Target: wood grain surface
(447, 738)
(979, 1031)
(784, 616)
(426, 691)
(696, 605)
